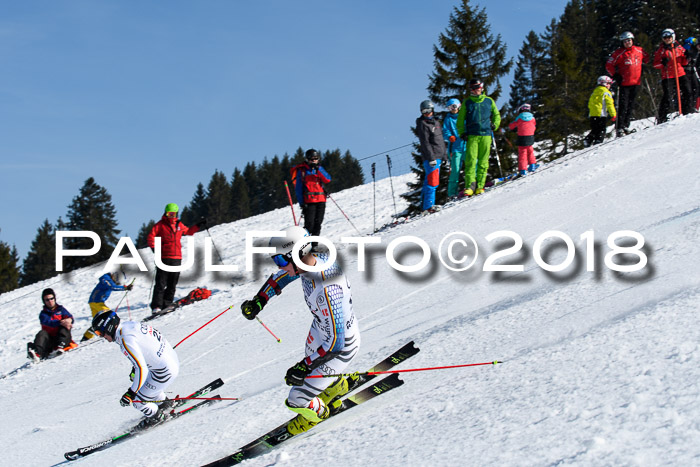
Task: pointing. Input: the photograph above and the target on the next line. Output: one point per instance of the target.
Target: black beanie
(47, 292)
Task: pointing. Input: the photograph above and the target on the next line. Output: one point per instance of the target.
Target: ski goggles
(453, 107)
(282, 260)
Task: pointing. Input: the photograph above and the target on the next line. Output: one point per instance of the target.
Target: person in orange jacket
(670, 59)
(170, 230)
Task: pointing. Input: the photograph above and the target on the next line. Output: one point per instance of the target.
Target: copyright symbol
(460, 248)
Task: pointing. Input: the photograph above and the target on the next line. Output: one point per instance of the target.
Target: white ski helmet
(426, 107)
(604, 80)
(626, 35)
(669, 33)
(524, 108)
(284, 245)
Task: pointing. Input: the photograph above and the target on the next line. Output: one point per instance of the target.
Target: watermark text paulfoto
(457, 251)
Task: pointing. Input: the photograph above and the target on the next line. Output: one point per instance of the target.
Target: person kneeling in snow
(155, 363)
(334, 337)
(56, 323)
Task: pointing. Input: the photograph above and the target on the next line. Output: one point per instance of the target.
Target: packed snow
(599, 367)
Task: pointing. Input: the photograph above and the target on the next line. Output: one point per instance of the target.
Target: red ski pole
(268, 330)
(675, 72)
(291, 205)
(183, 340)
(368, 373)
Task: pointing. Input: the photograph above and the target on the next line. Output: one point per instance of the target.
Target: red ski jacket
(667, 70)
(628, 63)
(308, 183)
(170, 232)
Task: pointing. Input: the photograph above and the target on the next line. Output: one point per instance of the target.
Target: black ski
(87, 450)
(269, 440)
(279, 435)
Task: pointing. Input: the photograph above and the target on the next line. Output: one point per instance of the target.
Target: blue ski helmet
(689, 43)
(105, 323)
(454, 101)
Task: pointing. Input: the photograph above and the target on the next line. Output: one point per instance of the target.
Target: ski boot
(32, 353)
(533, 167)
(309, 416)
(479, 191)
(522, 173)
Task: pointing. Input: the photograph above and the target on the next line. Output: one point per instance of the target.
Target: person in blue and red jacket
(170, 230)
(56, 323)
(309, 178)
(107, 284)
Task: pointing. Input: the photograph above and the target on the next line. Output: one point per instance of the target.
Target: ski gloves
(296, 374)
(251, 308)
(127, 398)
(129, 287)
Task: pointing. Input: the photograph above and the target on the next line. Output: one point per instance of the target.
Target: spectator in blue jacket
(104, 288)
(56, 323)
(455, 146)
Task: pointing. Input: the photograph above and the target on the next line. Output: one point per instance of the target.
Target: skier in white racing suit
(155, 363)
(334, 337)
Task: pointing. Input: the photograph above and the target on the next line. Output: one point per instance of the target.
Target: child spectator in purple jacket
(56, 323)
(525, 123)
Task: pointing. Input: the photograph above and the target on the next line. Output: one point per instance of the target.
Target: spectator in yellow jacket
(600, 106)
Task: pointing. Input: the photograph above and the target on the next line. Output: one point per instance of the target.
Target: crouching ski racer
(334, 337)
(155, 363)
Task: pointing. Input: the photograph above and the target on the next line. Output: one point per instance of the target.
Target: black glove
(132, 375)
(251, 308)
(129, 287)
(127, 398)
(617, 77)
(664, 61)
(463, 136)
(202, 223)
(493, 127)
(297, 374)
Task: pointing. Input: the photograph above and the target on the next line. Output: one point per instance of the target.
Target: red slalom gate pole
(291, 205)
(405, 371)
(198, 329)
(268, 329)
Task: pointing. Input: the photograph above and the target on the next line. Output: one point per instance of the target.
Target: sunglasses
(668, 36)
(170, 214)
(49, 299)
(282, 260)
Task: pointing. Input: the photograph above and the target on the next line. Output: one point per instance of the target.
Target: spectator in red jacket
(625, 67)
(56, 323)
(309, 178)
(170, 230)
(670, 59)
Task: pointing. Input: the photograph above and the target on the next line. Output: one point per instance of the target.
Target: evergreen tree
(9, 267)
(528, 69)
(197, 208)
(333, 164)
(142, 237)
(240, 200)
(250, 174)
(218, 200)
(568, 93)
(352, 171)
(91, 210)
(457, 59)
(40, 262)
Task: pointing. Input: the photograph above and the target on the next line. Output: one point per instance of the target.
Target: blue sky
(150, 98)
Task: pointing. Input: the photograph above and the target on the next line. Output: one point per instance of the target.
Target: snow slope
(600, 368)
